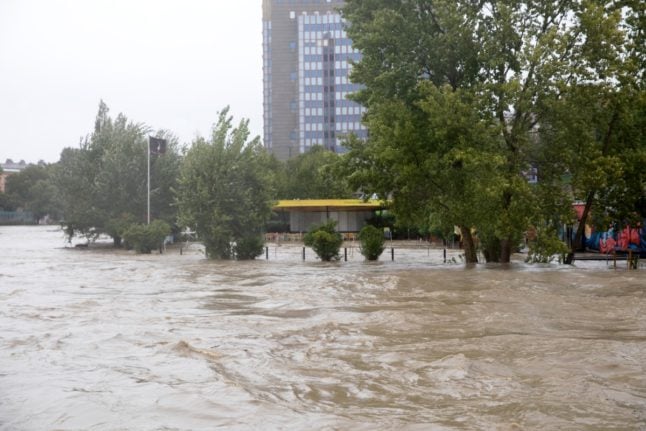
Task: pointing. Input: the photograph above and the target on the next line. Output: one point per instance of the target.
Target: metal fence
(16, 217)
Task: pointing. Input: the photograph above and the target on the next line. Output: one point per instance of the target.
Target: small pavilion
(350, 214)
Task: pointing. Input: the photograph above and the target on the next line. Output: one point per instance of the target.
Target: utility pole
(148, 201)
(155, 146)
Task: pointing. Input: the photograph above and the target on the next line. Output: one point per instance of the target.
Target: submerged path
(101, 339)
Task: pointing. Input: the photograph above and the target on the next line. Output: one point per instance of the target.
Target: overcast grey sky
(170, 64)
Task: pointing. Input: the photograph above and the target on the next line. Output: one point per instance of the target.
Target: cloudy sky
(170, 64)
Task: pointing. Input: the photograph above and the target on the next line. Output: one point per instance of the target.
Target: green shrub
(546, 246)
(249, 247)
(372, 242)
(146, 238)
(117, 226)
(325, 241)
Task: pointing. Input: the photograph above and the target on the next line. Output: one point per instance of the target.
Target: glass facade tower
(307, 60)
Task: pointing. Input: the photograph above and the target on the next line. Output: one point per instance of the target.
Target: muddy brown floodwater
(99, 339)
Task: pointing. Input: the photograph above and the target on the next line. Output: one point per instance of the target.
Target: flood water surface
(98, 339)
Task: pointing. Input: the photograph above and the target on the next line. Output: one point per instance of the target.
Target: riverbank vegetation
(465, 99)
(225, 191)
(372, 242)
(486, 120)
(325, 241)
(145, 238)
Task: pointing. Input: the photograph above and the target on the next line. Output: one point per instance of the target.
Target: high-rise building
(307, 57)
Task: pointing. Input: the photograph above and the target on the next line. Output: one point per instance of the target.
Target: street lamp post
(155, 146)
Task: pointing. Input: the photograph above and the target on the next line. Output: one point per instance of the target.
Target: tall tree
(597, 135)
(595, 128)
(225, 190)
(312, 175)
(103, 182)
(501, 59)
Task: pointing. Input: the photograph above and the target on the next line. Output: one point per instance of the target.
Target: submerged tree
(225, 190)
(103, 182)
(456, 93)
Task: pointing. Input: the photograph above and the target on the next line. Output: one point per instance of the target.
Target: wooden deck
(631, 258)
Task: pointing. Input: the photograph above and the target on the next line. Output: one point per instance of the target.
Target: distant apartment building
(307, 57)
(7, 168)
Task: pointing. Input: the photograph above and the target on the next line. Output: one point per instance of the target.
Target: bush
(372, 242)
(249, 247)
(146, 238)
(325, 241)
(546, 246)
(117, 226)
(224, 190)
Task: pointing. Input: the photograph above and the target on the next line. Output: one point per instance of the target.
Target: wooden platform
(630, 257)
(601, 257)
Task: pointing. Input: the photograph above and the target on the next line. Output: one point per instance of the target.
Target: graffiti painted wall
(614, 239)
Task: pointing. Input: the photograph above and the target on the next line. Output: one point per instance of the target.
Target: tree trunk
(505, 251)
(116, 241)
(470, 255)
(577, 244)
(491, 251)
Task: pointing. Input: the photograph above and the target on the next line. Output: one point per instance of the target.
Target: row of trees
(464, 98)
(223, 186)
(31, 190)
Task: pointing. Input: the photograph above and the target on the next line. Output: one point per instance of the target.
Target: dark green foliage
(464, 97)
(106, 178)
(546, 246)
(372, 242)
(605, 128)
(312, 175)
(249, 247)
(146, 238)
(325, 241)
(7, 203)
(225, 190)
(116, 227)
(33, 190)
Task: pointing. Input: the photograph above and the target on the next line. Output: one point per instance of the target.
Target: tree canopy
(312, 175)
(225, 190)
(458, 94)
(33, 190)
(103, 183)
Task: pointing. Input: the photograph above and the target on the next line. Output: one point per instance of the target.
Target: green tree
(75, 180)
(104, 181)
(6, 204)
(312, 175)
(325, 241)
(594, 128)
(604, 128)
(225, 189)
(33, 190)
(455, 94)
